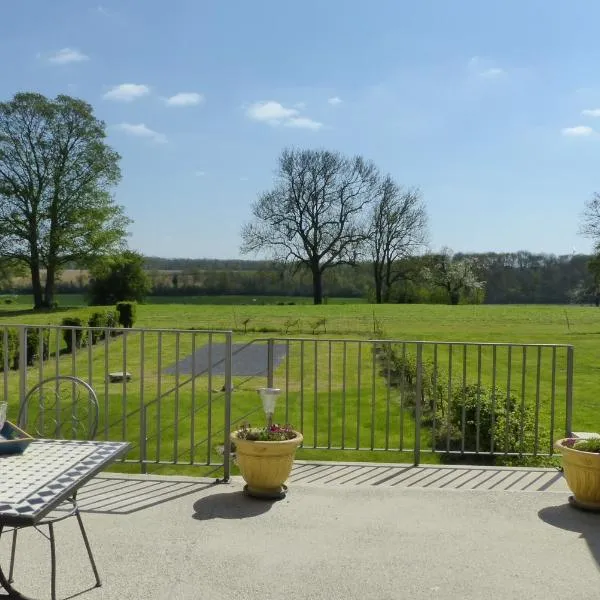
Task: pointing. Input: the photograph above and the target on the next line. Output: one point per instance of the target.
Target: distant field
(67, 300)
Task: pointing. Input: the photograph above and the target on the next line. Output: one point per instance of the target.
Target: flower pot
(265, 466)
(582, 472)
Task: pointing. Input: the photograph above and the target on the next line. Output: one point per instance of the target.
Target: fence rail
(175, 394)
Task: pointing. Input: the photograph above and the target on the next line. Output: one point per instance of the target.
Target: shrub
(68, 333)
(126, 312)
(111, 322)
(502, 420)
(97, 319)
(33, 345)
(11, 350)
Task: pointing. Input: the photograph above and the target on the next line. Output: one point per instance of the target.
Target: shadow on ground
(232, 505)
(567, 517)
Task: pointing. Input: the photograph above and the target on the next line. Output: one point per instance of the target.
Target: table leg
(12, 593)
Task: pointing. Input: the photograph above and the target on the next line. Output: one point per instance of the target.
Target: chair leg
(12, 556)
(52, 561)
(88, 548)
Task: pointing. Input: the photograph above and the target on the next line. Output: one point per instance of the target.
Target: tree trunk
(36, 284)
(317, 286)
(49, 288)
(378, 283)
(454, 297)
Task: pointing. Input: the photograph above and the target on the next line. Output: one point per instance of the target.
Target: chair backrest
(60, 407)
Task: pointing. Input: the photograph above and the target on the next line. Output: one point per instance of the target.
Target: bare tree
(590, 219)
(316, 215)
(398, 230)
(56, 174)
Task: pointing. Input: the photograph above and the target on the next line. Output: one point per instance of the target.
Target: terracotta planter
(582, 472)
(265, 466)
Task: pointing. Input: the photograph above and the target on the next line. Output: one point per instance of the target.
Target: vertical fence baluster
(387, 394)
(287, 381)
(358, 395)
(193, 407)
(418, 390)
(478, 409)
(523, 387)
(106, 390)
(158, 395)
(124, 388)
(494, 375)
(449, 397)
(402, 395)
(302, 385)
(553, 400)
(344, 395)
(463, 412)
(227, 417)
(435, 395)
(329, 399)
(143, 432)
(209, 418)
(177, 375)
(537, 401)
(316, 394)
(569, 393)
(508, 400)
(373, 393)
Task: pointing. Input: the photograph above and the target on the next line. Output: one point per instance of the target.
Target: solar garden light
(269, 399)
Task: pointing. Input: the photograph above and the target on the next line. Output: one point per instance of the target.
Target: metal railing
(167, 391)
(455, 398)
(176, 394)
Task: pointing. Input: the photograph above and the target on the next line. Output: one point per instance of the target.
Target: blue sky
(491, 109)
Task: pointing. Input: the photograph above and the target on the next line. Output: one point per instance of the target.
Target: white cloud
(577, 131)
(492, 73)
(185, 99)
(303, 123)
(274, 113)
(334, 101)
(270, 112)
(126, 92)
(591, 112)
(300, 105)
(484, 68)
(66, 56)
(243, 178)
(200, 173)
(141, 130)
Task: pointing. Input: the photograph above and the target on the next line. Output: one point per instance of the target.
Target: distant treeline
(510, 278)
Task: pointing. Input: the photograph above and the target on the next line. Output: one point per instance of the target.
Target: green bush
(112, 322)
(97, 319)
(68, 333)
(502, 420)
(11, 350)
(33, 345)
(126, 312)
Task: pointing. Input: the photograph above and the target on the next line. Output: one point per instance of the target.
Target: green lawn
(329, 415)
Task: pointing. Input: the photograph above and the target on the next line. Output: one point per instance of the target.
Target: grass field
(320, 416)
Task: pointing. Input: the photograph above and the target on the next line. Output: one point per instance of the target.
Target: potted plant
(581, 466)
(265, 455)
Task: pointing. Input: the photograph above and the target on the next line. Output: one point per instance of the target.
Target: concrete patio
(344, 531)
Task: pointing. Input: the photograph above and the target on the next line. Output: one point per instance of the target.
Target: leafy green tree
(315, 215)
(119, 278)
(56, 177)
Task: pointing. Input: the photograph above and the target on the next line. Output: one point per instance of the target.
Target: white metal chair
(60, 407)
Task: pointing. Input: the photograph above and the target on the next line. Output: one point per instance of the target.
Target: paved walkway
(365, 532)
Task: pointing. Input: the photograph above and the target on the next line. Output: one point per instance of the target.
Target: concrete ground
(344, 531)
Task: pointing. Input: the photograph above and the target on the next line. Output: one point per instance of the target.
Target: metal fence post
(418, 391)
(143, 440)
(270, 361)
(22, 365)
(569, 407)
(227, 416)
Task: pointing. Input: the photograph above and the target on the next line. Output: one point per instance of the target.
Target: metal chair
(63, 407)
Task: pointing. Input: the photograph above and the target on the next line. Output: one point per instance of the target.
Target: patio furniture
(40, 486)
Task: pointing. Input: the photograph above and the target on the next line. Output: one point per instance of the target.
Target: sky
(491, 109)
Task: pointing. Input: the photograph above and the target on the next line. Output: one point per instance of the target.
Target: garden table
(49, 471)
